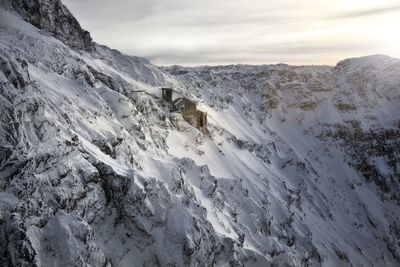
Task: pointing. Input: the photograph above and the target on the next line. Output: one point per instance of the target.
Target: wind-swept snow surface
(300, 165)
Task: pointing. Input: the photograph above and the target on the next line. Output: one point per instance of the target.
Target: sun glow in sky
(210, 32)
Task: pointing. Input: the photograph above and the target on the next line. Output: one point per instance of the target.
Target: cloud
(231, 31)
(368, 12)
(296, 53)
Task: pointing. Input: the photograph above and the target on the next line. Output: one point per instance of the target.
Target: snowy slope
(301, 165)
(326, 142)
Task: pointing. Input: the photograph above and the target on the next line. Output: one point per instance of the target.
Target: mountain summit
(299, 166)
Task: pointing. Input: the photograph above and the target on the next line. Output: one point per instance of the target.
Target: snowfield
(300, 167)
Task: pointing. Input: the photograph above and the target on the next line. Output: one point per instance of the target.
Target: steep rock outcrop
(53, 17)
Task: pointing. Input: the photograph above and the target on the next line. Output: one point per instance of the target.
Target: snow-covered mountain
(300, 167)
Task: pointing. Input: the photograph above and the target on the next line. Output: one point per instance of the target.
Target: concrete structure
(167, 94)
(184, 104)
(196, 118)
(187, 107)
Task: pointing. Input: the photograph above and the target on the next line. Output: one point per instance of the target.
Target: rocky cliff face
(53, 17)
(300, 166)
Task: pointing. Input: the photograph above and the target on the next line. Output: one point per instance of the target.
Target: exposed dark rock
(53, 17)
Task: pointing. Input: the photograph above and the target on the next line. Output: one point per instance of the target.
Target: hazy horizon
(297, 32)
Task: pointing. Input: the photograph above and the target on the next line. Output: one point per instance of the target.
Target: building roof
(185, 98)
(182, 95)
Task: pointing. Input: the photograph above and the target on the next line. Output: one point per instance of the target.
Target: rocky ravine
(301, 166)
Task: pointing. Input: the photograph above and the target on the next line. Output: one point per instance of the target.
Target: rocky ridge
(54, 18)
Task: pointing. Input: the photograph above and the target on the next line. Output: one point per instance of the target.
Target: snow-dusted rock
(53, 17)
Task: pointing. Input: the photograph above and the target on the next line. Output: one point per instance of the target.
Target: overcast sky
(211, 32)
